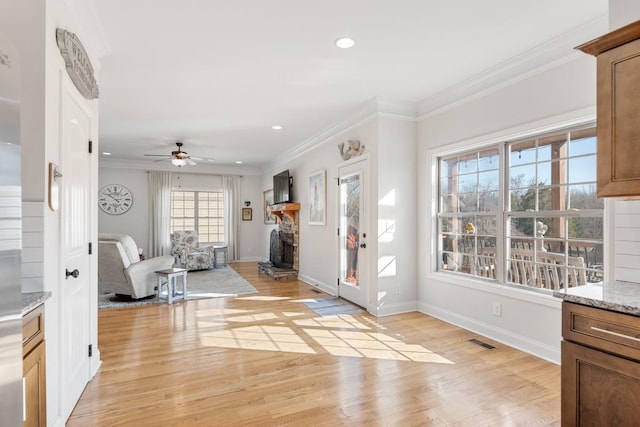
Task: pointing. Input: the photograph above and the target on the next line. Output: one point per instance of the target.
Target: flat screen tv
(282, 187)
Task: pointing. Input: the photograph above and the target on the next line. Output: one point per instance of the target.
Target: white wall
(390, 198)
(31, 26)
(623, 12)
(563, 95)
(318, 244)
(250, 233)
(396, 223)
(135, 222)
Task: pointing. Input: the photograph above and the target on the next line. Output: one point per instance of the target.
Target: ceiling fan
(178, 158)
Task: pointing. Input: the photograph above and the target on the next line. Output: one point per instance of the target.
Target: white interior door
(76, 221)
(353, 233)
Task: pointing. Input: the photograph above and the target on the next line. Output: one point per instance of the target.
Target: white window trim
(577, 118)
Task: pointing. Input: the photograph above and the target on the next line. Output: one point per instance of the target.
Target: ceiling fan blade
(161, 160)
(190, 162)
(156, 155)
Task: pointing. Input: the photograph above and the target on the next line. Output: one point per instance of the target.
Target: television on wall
(282, 187)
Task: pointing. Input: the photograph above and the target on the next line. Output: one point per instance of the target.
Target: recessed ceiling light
(345, 42)
(106, 153)
(238, 162)
(276, 127)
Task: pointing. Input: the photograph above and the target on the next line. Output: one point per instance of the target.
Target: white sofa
(121, 271)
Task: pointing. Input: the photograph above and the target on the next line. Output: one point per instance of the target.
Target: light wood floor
(266, 360)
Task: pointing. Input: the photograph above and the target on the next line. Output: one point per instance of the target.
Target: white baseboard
(536, 348)
(397, 308)
(248, 259)
(96, 362)
(329, 289)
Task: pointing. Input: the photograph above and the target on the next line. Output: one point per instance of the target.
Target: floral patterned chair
(188, 253)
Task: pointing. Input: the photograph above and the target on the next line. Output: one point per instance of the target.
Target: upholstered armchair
(189, 253)
(121, 271)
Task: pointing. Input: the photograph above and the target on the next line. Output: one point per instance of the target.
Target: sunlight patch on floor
(342, 335)
(372, 345)
(270, 338)
(263, 298)
(343, 321)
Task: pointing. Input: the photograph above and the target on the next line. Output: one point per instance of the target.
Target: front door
(75, 268)
(353, 233)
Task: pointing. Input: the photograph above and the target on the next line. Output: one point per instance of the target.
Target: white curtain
(231, 186)
(159, 213)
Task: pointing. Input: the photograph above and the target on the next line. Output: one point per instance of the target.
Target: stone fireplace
(282, 249)
(283, 244)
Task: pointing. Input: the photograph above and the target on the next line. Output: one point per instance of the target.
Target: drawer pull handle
(616, 334)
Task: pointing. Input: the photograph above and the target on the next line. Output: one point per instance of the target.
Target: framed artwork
(269, 218)
(247, 215)
(317, 198)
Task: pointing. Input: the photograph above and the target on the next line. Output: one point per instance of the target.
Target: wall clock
(115, 199)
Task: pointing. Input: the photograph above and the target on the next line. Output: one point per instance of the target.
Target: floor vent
(316, 291)
(482, 344)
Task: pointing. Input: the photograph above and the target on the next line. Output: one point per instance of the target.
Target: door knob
(363, 245)
(75, 273)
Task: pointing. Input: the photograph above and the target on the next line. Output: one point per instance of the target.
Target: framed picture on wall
(269, 218)
(317, 198)
(247, 214)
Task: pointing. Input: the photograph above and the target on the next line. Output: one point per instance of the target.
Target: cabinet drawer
(612, 332)
(32, 329)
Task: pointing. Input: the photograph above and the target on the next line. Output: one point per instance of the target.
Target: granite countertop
(31, 300)
(621, 297)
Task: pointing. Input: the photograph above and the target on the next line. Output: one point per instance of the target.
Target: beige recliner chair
(121, 271)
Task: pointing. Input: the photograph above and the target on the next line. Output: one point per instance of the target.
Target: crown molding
(371, 109)
(145, 165)
(541, 58)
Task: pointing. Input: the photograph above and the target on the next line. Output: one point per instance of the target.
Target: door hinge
(90, 146)
(90, 350)
(338, 231)
(338, 281)
(90, 248)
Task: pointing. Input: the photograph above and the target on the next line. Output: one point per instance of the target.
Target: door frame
(364, 276)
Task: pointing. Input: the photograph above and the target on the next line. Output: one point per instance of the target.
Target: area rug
(215, 283)
(333, 307)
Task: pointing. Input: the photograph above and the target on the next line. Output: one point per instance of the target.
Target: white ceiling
(217, 75)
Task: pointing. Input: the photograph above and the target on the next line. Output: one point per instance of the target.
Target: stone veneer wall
(288, 226)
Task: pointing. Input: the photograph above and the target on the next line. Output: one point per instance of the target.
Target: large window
(202, 211)
(523, 212)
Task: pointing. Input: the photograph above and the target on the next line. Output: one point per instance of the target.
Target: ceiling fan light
(179, 162)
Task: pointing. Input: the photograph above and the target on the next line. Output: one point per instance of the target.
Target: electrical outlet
(497, 309)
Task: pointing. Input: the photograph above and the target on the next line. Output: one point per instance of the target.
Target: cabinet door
(618, 118)
(598, 389)
(33, 369)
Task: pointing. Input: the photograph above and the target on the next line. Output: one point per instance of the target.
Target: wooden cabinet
(33, 368)
(618, 110)
(600, 367)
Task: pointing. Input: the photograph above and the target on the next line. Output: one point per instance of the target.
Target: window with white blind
(202, 211)
(523, 212)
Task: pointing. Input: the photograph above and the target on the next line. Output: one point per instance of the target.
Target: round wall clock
(115, 199)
